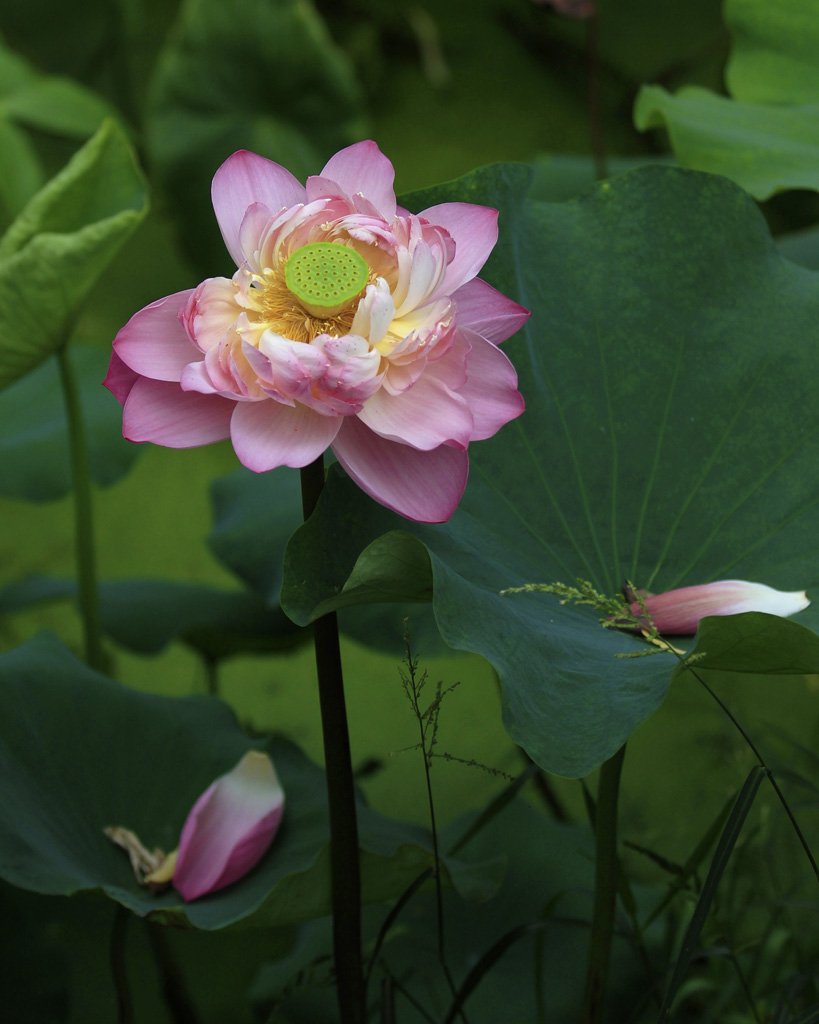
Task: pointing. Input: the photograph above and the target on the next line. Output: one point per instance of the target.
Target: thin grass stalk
(410, 998)
(781, 796)
(485, 964)
(722, 854)
(496, 805)
(425, 719)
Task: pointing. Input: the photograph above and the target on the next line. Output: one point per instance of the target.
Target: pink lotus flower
(679, 611)
(229, 828)
(349, 323)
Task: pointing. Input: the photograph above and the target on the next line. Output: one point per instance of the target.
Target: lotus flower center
(325, 277)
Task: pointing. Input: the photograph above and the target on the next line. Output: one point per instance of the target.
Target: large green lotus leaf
(56, 249)
(33, 591)
(35, 982)
(765, 147)
(15, 71)
(245, 74)
(359, 543)
(549, 880)
(774, 48)
(34, 456)
(547, 888)
(50, 103)
(21, 173)
(79, 752)
(671, 437)
(255, 515)
(560, 176)
(766, 138)
(146, 615)
(801, 247)
(753, 644)
(53, 103)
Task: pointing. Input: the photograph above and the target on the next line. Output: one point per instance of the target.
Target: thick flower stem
(605, 889)
(344, 864)
(83, 516)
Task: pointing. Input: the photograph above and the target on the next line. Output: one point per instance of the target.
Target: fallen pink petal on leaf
(678, 612)
(229, 828)
(350, 323)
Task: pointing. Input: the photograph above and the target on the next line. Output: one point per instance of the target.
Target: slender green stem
(211, 676)
(391, 918)
(125, 1008)
(410, 998)
(605, 889)
(486, 963)
(593, 103)
(83, 516)
(387, 1001)
(344, 864)
(174, 991)
(550, 798)
(785, 805)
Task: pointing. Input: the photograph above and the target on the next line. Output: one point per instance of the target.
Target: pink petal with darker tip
(363, 168)
(268, 434)
(159, 411)
(475, 231)
(154, 342)
(423, 486)
(242, 180)
(229, 828)
(488, 312)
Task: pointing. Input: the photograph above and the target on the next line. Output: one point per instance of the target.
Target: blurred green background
(442, 88)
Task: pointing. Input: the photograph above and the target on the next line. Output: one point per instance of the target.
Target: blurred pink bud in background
(571, 8)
